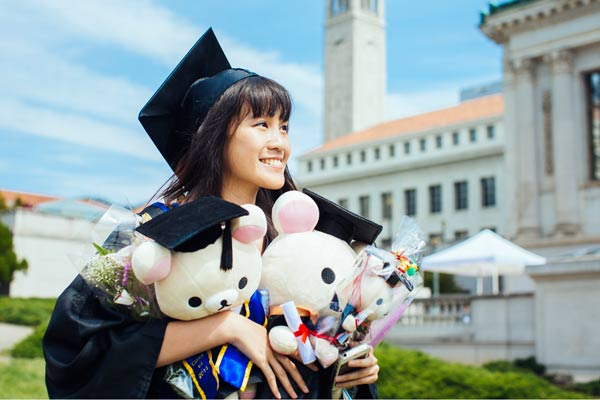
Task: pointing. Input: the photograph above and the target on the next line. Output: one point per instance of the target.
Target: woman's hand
(254, 343)
(366, 371)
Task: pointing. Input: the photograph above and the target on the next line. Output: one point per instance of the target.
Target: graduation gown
(96, 351)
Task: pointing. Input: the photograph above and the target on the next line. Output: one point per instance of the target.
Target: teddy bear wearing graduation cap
(307, 263)
(202, 259)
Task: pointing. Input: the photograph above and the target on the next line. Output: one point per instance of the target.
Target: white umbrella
(483, 254)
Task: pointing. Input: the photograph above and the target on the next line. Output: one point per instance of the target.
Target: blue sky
(75, 74)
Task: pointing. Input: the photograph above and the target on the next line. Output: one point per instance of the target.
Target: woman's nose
(275, 139)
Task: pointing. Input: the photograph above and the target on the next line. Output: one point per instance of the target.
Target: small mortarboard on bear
(337, 221)
(195, 225)
(182, 102)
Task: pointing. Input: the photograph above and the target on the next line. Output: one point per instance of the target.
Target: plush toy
(306, 265)
(194, 284)
(382, 281)
(204, 259)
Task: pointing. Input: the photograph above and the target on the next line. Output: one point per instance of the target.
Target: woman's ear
(250, 227)
(151, 262)
(295, 212)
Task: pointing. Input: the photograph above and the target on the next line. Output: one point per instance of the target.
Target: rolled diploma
(293, 321)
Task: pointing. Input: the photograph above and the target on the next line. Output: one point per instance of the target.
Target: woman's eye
(284, 128)
(262, 124)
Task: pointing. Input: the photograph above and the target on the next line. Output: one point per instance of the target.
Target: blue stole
(231, 365)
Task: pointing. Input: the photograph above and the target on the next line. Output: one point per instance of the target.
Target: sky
(74, 75)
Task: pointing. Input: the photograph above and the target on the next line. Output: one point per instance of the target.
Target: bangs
(264, 97)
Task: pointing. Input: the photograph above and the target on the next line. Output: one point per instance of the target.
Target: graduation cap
(194, 226)
(181, 103)
(342, 223)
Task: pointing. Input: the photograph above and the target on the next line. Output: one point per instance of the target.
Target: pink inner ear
(249, 233)
(159, 271)
(298, 216)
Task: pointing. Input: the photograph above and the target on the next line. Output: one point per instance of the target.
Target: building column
(527, 179)
(564, 145)
(511, 161)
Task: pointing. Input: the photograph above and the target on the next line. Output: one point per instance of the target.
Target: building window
(422, 144)
(461, 197)
(455, 138)
(309, 166)
(593, 99)
(406, 147)
(335, 161)
(343, 203)
(364, 206)
(349, 158)
(392, 149)
(472, 135)
(386, 243)
(410, 200)
(363, 156)
(460, 235)
(488, 192)
(377, 153)
(435, 239)
(435, 199)
(386, 205)
(338, 7)
(438, 141)
(322, 162)
(369, 5)
(490, 132)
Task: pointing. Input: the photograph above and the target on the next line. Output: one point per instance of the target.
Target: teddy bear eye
(328, 275)
(243, 282)
(379, 301)
(195, 302)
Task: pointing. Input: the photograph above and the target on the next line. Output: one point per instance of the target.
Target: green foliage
(31, 346)
(25, 311)
(3, 205)
(412, 374)
(447, 284)
(531, 364)
(23, 379)
(592, 388)
(8, 259)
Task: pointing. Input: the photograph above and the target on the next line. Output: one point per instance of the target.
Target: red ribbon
(302, 331)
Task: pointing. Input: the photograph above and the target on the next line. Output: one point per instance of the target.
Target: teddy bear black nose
(224, 303)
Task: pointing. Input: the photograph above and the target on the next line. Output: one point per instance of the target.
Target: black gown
(94, 350)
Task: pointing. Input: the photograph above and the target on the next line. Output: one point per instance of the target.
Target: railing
(446, 310)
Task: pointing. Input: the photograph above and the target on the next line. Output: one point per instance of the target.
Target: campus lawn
(22, 379)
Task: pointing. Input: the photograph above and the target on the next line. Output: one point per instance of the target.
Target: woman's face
(256, 154)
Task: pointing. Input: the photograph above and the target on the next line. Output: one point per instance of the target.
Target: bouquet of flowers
(108, 270)
(383, 285)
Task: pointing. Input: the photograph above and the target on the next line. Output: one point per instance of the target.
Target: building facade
(444, 168)
(355, 65)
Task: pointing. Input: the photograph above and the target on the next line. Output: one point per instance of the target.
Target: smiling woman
(224, 132)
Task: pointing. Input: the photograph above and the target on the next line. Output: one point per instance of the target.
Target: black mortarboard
(195, 225)
(181, 103)
(342, 223)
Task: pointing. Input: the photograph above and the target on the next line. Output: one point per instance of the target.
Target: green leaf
(101, 250)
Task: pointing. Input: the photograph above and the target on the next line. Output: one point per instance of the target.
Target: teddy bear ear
(295, 212)
(251, 227)
(151, 262)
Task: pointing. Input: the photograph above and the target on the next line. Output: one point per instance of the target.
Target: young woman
(224, 134)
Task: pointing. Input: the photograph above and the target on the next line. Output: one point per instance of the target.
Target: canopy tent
(483, 254)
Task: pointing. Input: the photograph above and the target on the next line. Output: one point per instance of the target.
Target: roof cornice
(501, 22)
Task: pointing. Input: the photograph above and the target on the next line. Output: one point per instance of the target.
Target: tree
(3, 205)
(8, 260)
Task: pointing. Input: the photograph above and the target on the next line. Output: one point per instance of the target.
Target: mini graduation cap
(181, 103)
(194, 226)
(343, 224)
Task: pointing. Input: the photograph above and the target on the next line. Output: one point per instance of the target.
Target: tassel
(227, 251)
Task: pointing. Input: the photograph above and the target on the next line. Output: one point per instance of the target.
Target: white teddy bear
(306, 266)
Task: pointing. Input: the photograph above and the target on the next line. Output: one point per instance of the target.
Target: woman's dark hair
(199, 171)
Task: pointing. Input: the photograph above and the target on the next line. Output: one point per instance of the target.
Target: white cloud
(72, 128)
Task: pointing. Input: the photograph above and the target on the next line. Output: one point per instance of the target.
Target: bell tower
(355, 66)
